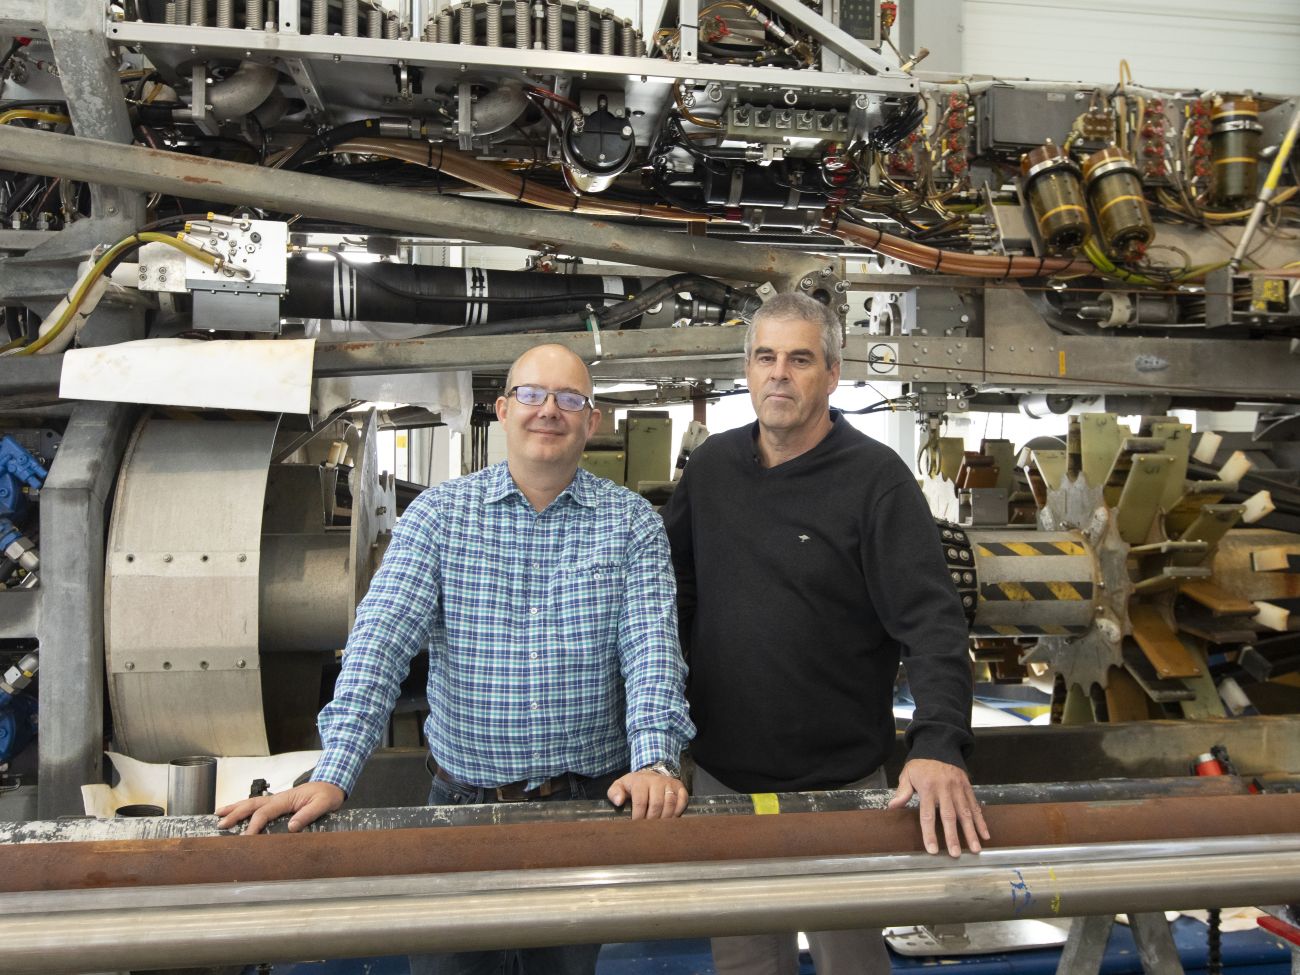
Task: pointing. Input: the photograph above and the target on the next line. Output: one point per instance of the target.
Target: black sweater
(799, 588)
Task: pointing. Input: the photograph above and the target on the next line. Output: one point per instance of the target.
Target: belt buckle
(514, 792)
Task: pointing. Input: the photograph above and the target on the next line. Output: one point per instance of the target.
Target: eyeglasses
(535, 396)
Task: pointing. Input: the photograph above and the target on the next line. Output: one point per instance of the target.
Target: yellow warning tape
(765, 803)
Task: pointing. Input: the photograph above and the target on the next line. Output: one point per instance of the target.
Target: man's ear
(834, 378)
(593, 423)
(502, 403)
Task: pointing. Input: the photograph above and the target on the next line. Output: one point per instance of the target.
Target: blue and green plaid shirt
(552, 637)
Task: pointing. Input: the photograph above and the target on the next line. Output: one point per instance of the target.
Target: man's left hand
(653, 796)
(946, 789)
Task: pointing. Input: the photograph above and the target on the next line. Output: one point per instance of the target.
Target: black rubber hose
(385, 292)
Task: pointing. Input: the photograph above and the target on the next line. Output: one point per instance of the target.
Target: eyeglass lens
(536, 396)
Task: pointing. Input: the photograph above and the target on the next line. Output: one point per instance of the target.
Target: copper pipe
(465, 167)
(73, 866)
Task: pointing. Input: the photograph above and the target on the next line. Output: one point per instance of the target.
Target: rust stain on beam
(307, 856)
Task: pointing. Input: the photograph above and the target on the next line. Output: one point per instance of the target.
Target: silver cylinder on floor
(192, 786)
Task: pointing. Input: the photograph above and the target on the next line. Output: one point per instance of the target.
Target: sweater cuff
(648, 747)
(942, 744)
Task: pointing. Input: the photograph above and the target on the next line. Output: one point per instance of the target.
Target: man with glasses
(807, 564)
(544, 597)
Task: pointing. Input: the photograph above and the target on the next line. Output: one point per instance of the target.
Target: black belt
(511, 792)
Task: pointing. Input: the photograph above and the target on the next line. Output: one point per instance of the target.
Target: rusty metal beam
(88, 865)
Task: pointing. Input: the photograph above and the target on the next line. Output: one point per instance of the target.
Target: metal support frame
(1083, 950)
(396, 209)
(462, 58)
(72, 596)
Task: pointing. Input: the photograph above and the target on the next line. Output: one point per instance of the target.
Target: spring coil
(198, 13)
(169, 13)
(392, 27)
(606, 34)
(320, 16)
(254, 14)
(351, 14)
(582, 27)
(554, 26)
(523, 26)
(226, 13)
(494, 23)
(628, 48)
(467, 24)
(444, 25)
(375, 23)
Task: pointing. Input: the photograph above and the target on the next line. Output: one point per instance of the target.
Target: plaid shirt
(552, 637)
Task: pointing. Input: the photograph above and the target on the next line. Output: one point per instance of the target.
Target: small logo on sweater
(804, 538)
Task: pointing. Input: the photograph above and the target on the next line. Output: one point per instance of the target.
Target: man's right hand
(307, 802)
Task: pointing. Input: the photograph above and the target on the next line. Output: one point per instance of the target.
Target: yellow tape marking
(1064, 590)
(765, 803)
(1056, 894)
(1055, 210)
(1071, 548)
(1121, 199)
(1014, 590)
(1061, 365)
(1022, 548)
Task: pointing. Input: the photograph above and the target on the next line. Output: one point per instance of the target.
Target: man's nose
(780, 368)
(549, 407)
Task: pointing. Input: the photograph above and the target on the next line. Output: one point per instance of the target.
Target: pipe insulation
(383, 292)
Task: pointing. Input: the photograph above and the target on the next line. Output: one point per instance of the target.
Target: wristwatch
(665, 768)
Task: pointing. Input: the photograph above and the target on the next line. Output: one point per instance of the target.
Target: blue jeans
(565, 960)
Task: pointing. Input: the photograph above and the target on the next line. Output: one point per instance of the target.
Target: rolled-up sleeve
(654, 674)
(393, 624)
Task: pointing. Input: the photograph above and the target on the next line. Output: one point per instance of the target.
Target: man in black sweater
(807, 565)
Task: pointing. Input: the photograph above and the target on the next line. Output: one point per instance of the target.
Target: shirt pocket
(588, 601)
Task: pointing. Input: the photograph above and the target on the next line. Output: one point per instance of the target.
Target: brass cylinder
(1052, 186)
(1234, 149)
(1114, 190)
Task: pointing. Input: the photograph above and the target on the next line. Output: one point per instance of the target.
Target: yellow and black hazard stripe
(1034, 591)
(998, 550)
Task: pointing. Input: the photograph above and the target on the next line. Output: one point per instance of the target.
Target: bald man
(545, 599)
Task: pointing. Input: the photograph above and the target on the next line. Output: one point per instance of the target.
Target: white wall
(1206, 44)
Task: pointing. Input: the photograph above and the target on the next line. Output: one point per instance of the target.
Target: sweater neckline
(794, 463)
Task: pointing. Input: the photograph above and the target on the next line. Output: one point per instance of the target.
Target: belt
(511, 792)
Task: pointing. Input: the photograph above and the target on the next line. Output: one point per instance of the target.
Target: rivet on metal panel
(241, 664)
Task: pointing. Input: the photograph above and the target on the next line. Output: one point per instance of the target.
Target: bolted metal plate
(181, 589)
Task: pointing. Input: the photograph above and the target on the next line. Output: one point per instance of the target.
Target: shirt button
(534, 705)
(533, 655)
(533, 611)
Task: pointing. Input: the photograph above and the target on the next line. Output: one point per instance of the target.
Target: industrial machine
(275, 172)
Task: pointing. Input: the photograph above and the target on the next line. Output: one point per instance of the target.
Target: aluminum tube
(349, 927)
(214, 180)
(442, 885)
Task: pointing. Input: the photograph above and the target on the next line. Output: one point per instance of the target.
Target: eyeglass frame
(587, 401)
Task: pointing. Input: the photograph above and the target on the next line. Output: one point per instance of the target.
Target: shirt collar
(501, 486)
